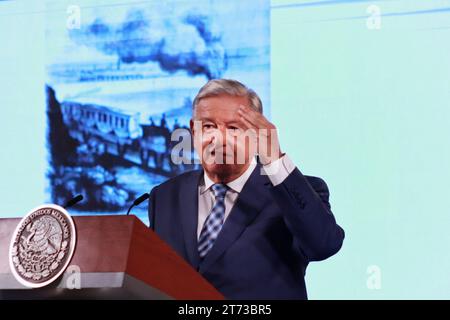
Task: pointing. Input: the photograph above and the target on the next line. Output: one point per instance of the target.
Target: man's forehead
(222, 102)
(219, 117)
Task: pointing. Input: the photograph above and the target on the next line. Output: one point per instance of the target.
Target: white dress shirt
(276, 171)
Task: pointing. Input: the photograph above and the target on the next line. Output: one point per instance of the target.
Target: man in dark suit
(249, 221)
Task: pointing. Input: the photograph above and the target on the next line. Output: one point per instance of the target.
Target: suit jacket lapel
(247, 206)
(189, 216)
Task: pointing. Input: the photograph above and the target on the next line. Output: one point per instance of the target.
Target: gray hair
(230, 87)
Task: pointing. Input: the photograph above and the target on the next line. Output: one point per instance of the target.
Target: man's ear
(191, 125)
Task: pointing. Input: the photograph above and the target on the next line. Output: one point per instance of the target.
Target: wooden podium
(117, 257)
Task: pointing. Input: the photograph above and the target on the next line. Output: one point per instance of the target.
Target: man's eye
(207, 126)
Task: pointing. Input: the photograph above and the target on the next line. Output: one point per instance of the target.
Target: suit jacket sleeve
(308, 215)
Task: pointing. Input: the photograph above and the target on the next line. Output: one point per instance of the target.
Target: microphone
(73, 201)
(138, 201)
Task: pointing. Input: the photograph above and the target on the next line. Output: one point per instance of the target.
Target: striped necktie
(214, 221)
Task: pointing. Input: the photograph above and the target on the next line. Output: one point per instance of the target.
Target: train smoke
(190, 43)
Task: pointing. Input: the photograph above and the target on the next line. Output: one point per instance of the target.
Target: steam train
(120, 134)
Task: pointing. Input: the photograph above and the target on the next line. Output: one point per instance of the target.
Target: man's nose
(221, 137)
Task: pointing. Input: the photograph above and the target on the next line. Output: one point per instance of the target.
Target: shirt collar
(237, 184)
